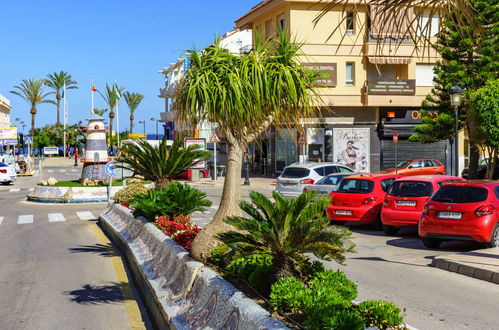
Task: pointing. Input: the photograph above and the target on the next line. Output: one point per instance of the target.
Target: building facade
(4, 111)
(374, 80)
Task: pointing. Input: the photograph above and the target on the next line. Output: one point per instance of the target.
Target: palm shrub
(176, 199)
(286, 230)
(163, 162)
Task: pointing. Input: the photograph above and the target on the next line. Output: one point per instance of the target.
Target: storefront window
(285, 148)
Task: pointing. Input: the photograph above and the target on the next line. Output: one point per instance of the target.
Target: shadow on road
(105, 294)
(105, 250)
(386, 260)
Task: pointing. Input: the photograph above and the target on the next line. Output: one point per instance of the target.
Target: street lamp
(143, 122)
(456, 99)
(154, 119)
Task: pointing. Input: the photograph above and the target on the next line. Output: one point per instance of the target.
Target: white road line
(56, 217)
(24, 219)
(14, 190)
(50, 171)
(1, 220)
(62, 171)
(31, 189)
(85, 215)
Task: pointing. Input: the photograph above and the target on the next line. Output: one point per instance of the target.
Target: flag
(93, 88)
(117, 92)
(62, 96)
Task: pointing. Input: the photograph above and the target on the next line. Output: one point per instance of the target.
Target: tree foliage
(111, 95)
(132, 100)
(53, 135)
(57, 81)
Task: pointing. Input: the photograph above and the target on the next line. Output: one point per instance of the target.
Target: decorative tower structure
(96, 157)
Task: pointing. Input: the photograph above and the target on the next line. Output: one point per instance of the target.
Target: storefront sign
(404, 115)
(391, 87)
(351, 147)
(327, 73)
(8, 133)
(8, 142)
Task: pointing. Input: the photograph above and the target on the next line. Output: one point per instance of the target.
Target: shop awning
(389, 60)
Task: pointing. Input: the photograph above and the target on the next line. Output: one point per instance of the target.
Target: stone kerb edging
(181, 293)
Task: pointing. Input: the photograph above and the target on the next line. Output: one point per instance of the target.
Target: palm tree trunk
(204, 242)
(58, 97)
(33, 114)
(131, 123)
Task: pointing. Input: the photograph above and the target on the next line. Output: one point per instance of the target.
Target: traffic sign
(110, 168)
(28, 140)
(395, 137)
(214, 138)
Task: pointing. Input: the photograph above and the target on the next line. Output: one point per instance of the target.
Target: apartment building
(4, 111)
(369, 90)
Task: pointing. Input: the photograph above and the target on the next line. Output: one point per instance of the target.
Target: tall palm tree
(32, 91)
(244, 95)
(132, 100)
(100, 112)
(56, 81)
(111, 96)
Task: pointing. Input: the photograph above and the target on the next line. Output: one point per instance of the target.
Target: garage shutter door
(410, 150)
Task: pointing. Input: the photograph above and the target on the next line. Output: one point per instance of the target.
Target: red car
(462, 211)
(188, 174)
(360, 197)
(406, 198)
(417, 167)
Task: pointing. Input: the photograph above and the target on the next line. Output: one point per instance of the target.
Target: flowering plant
(179, 228)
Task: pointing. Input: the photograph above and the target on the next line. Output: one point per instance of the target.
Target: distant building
(4, 111)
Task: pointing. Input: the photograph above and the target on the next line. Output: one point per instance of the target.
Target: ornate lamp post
(456, 99)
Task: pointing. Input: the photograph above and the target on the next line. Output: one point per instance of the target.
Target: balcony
(167, 116)
(168, 91)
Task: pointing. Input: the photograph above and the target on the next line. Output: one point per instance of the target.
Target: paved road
(57, 269)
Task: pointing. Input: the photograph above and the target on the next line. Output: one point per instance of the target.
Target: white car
(297, 176)
(7, 174)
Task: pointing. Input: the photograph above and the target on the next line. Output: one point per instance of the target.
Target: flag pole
(92, 92)
(65, 116)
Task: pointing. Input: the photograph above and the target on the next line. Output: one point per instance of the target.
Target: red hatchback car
(462, 211)
(417, 167)
(406, 198)
(359, 198)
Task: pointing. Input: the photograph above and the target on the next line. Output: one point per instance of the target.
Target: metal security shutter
(410, 150)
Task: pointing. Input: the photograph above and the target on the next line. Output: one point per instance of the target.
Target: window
(350, 74)
(428, 163)
(320, 171)
(425, 74)
(417, 164)
(496, 191)
(460, 194)
(281, 21)
(344, 169)
(329, 180)
(427, 26)
(411, 189)
(350, 21)
(331, 169)
(385, 184)
(435, 163)
(355, 186)
(295, 172)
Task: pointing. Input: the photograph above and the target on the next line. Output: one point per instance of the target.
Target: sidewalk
(58, 162)
(255, 183)
(480, 264)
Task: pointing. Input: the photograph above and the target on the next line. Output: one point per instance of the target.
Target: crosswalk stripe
(1, 220)
(50, 171)
(56, 217)
(23, 219)
(14, 190)
(85, 215)
(62, 171)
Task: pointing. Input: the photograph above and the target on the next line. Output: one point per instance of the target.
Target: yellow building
(373, 89)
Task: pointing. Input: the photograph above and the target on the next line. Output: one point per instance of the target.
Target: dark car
(482, 171)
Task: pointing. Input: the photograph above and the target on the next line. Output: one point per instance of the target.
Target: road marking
(14, 190)
(131, 307)
(24, 219)
(85, 215)
(31, 189)
(50, 171)
(1, 220)
(62, 171)
(56, 217)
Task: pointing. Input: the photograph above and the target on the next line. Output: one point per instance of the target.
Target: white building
(4, 111)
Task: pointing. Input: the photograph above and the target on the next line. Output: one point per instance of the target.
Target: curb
(179, 292)
(463, 268)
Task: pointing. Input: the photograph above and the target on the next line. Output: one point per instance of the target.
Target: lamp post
(246, 170)
(456, 99)
(143, 122)
(154, 119)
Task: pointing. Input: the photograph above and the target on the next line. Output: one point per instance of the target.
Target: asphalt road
(57, 269)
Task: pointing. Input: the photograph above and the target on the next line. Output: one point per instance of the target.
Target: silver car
(297, 176)
(327, 184)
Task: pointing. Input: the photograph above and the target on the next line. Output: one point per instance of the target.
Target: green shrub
(176, 199)
(126, 194)
(286, 295)
(310, 269)
(342, 317)
(333, 283)
(219, 255)
(379, 313)
(255, 268)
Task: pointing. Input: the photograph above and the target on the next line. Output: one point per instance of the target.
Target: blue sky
(104, 41)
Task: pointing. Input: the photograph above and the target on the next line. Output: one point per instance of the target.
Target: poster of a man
(351, 148)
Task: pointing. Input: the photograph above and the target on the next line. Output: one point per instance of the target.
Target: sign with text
(391, 87)
(8, 133)
(50, 150)
(202, 146)
(8, 142)
(327, 73)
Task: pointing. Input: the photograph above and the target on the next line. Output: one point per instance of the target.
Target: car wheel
(431, 243)
(390, 230)
(494, 238)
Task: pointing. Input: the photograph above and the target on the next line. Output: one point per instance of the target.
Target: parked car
(327, 184)
(406, 198)
(188, 174)
(10, 160)
(297, 176)
(417, 167)
(360, 198)
(482, 170)
(7, 173)
(462, 211)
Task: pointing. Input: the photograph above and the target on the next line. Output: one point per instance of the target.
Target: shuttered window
(424, 74)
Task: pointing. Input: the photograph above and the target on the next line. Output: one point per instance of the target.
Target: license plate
(343, 212)
(288, 183)
(449, 215)
(406, 203)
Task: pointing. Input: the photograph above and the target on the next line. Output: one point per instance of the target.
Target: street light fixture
(143, 122)
(154, 119)
(456, 99)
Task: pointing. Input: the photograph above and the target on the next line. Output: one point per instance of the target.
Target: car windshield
(460, 194)
(403, 163)
(330, 180)
(295, 172)
(355, 186)
(410, 189)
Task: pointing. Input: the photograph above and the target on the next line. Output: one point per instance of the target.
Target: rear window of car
(411, 189)
(435, 163)
(460, 194)
(355, 186)
(295, 172)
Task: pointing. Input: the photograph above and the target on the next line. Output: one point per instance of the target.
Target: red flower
(179, 228)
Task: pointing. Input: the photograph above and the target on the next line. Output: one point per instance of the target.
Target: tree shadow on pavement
(105, 250)
(104, 294)
(386, 260)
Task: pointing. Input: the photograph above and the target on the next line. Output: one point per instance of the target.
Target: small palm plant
(286, 230)
(163, 162)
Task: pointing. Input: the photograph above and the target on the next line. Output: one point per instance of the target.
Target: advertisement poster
(351, 148)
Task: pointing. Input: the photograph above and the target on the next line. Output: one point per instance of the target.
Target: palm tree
(286, 230)
(244, 95)
(32, 91)
(56, 81)
(111, 95)
(160, 163)
(132, 100)
(100, 112)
